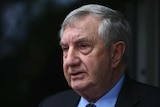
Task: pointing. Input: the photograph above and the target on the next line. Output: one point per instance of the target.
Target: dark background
(30, 55)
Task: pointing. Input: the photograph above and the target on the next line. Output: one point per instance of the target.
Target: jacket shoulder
(62, 99)
(137, 94)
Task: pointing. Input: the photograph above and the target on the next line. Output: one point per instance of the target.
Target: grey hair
(114, 27)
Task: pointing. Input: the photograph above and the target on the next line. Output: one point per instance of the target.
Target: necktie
(90, 105)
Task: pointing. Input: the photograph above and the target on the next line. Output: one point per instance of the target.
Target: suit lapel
(128, 96)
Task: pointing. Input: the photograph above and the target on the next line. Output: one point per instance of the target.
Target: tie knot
(90, 105)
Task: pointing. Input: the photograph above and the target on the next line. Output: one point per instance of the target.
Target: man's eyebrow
(61, 43)
(77, 40)
(81, 39)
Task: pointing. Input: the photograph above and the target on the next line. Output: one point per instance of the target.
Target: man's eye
(84, 45)
(85, 48)
(65, 48)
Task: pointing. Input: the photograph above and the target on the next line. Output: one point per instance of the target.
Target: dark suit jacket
(132, 94)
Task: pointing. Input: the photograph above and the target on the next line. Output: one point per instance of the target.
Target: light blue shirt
(109, 99)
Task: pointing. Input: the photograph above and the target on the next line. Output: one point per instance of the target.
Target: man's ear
(117, 52)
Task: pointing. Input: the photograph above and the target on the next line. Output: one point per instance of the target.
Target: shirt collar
(109, 99)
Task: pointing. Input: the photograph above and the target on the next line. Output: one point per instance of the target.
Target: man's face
(86, 60)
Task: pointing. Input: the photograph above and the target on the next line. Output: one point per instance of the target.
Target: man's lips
(77, 75)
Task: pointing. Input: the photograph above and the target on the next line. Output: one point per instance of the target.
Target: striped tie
(90, 105)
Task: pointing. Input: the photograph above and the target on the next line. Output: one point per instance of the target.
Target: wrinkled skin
(89, 66)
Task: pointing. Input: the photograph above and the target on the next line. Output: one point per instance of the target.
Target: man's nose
(72, 58)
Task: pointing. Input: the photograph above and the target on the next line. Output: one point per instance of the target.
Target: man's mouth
(77, 75)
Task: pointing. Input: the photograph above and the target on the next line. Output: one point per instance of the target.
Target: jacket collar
(129, 95)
